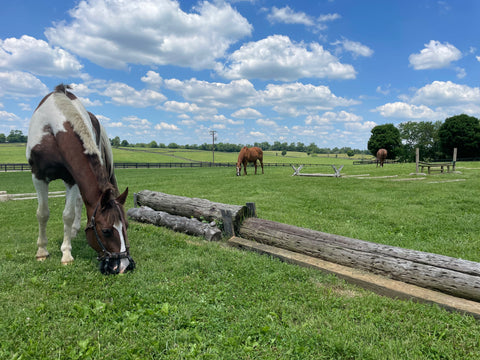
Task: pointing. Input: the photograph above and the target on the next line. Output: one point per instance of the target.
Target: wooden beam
(457, 277)
(376, 283)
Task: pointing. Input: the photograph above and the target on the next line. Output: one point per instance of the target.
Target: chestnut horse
(248, 155)
(381, 156)
(67, 142)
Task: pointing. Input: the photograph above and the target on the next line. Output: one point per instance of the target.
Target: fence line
(145, 165)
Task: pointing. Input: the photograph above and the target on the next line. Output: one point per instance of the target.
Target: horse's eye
(107, 232)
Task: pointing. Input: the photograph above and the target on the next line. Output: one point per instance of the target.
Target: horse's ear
(121, 199)
(106, 196)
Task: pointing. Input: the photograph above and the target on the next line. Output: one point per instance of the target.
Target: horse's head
(239, 168)
(107, 234)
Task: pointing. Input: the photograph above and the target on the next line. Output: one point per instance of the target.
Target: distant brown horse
(381, 156)
(248, 155)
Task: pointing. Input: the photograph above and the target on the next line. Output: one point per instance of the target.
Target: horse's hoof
(65, 263)
(42, 258)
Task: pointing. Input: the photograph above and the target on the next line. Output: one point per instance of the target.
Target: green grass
(189, 298)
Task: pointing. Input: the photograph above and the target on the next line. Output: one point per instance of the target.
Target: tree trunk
(189, 207)
(453, 276)
(177, 223)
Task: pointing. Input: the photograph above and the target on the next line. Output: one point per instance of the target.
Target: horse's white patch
(119, 227)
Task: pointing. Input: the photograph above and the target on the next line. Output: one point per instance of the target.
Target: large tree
(422, 135)
(461, 132)
(385, 137)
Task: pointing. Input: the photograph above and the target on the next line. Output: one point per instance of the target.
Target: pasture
(189, 298)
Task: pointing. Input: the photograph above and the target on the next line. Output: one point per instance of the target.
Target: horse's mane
(76, 114)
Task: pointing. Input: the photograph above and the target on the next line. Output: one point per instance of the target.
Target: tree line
(435, 140)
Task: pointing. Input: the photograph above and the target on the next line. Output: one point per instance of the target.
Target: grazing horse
(67, 142)
(248, 155)
(381, 156)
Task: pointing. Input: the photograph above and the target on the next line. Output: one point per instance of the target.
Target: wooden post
(417, 157)
(251, 209)
(135, 200)
(228, 227)
(454, 158)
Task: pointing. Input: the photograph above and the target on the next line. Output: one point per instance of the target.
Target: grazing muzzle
(239, 169)
(111, 262)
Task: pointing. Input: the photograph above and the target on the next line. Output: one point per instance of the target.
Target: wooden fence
(145, 165)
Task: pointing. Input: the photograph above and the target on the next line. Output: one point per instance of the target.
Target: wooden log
(201, 209)
(449, 275)
(177, 223)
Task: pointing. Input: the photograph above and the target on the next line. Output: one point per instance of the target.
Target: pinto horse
(381, 156)
(67, 142)
(248, 155)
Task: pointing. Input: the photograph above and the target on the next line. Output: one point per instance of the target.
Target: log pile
(177, 223)
(457, 277)
(449, 275)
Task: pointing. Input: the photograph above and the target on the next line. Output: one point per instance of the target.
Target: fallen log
(449, 275)
(177, 223)
(201, 209)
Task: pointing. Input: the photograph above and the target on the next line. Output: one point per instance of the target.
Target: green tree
(3, 138)
(124, 143)
(422, 135)
(350, 153)
(385, 137)
(461, 132)
(16, 136)
(115, 142)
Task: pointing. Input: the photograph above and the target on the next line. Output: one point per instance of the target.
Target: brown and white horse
(381, 156)
(248, 155)
(67, 142)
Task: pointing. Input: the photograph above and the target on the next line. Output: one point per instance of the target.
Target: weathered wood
(377, 283)
(201, 209)
(177, 223)
(228, 227)
(452, 276)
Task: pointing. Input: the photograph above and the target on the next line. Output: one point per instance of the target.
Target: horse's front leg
(245, 168)
(69, 218)
(255, 167)
(43, 213)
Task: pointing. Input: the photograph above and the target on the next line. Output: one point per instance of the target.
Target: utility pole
(213, 132)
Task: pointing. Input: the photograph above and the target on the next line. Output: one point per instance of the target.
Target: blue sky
(323, 71)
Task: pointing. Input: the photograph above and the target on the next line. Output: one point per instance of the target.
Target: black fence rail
(366, 162)
(145, 165)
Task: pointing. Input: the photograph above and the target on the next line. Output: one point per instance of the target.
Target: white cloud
(331, 117)
(152, 79)
(180, 107)
(115, 33)
(287, 16)
(356, 48)
(357, 127)
(435, 55)
(264, 122)
(21, 84)
(278, 58)
(403, 110)
(247, 113)
(166, 126)
(137, 123)
(8, 117)
(257, 134)
(446, 93)
(123, 94)
(37, 57)
(304, 95)
(214, 94)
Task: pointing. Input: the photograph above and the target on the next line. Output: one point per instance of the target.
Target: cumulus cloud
(123, 94)
(166, 126)
(287, 15)
(435, 55)
(215, 94)
(356, 48)
(21, 84)
(153, 79)
(403, 110)
(333, 117)
(247, 113)
(446, 93)
(278, 58)
(137, 123)
(150, 32)
(37, 57)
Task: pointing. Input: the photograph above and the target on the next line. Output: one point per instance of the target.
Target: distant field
(15, 153)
